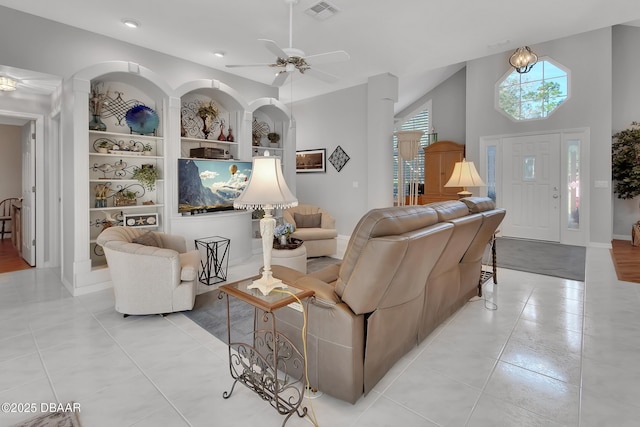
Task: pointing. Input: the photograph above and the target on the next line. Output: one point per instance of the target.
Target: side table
(214, 259)
(485, 274)
(271, 366)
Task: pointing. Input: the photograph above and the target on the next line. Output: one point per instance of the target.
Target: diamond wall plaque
(339, 158)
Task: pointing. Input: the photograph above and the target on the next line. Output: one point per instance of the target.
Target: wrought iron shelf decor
(126, 135)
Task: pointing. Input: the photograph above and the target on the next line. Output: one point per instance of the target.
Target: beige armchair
(316, 227)
(152, 272)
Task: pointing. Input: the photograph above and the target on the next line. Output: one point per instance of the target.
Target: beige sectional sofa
(405, 270)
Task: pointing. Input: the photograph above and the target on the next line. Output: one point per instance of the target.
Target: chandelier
(523, 59)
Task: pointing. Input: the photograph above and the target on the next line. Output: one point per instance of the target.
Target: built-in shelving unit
(115, 154)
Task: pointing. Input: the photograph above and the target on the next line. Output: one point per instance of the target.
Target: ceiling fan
(290, 59)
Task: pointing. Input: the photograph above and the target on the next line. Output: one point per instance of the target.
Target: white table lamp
(464, 175)
(266, 190)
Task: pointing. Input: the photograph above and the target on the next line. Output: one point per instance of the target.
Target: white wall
(338, 118)
(588, 57)
(448, 111)
(10, 162)
(626, 109)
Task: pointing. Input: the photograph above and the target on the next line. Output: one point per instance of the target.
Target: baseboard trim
(622, 237)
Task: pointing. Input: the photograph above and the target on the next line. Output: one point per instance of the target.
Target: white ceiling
(420, 41)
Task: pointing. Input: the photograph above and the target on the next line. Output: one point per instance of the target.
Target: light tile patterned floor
(555, 352)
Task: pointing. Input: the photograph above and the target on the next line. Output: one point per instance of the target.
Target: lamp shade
(408, 143)
(267, 186)
(464, 175)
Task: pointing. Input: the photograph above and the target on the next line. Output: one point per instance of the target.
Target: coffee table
(271, 365)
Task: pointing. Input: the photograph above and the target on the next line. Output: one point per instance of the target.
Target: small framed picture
(141, 220)
(311, 161)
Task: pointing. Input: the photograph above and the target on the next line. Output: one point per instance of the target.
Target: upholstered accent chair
(316, 227)
(152, 272)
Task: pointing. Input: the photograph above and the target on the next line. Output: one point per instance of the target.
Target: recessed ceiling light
(131, 23)
(219, 54)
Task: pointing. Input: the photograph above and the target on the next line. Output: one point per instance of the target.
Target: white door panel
(531, 182)
(28, 193)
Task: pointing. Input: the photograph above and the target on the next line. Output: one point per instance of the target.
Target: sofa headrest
(390, 221)
(478, 204)
(450, 209)
(394, 221)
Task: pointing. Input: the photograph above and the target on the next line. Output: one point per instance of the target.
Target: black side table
(214, 259)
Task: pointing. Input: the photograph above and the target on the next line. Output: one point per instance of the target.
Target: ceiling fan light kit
(290, 59)
(7, 84)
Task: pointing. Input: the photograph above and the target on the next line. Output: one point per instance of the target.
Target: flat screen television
(210, 185)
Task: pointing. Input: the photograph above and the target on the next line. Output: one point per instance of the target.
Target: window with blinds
(418, 122)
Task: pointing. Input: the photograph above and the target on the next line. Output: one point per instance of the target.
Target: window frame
(510, 71)
(400, 126)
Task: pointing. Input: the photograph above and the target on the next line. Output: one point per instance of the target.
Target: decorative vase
(221, 137)
(230, 136)
(97, 124)
(206, 126)
(284, 240)
(183, 131)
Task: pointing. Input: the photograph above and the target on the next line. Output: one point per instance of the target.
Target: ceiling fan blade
(274, 48)
(321, 75)
(280, 79)
(325, 58)
(249, 65)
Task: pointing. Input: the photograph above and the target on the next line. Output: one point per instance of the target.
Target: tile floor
(555, 352)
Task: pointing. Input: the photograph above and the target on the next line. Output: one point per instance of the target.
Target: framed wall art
(311, 161)
(141, 220)
(339, 158)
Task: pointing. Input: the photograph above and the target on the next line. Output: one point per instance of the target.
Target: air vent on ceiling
(322, 10)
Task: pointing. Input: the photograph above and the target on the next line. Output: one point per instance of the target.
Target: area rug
(53, 419)
(533, 256)
(626, 260)
(210, 311)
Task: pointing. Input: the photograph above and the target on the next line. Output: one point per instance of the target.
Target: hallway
(10, 260)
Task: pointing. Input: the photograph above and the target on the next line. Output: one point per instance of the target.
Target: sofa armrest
(189, 263)
(325, 295)
(329, 274)
(327, 221)
(324, 292)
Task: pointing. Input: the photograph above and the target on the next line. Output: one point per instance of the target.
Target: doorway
(531, 187)
(18, 252)
(536, 178)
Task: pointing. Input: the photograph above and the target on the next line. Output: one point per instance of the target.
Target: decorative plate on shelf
(142, 119)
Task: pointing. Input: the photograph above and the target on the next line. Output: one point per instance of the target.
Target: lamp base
(267, 283)
(463, 194)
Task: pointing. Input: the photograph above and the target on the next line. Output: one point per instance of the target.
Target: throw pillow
(307, 221)
(147, 239)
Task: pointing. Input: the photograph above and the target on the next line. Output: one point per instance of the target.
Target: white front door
(531, 187)
(28, 193)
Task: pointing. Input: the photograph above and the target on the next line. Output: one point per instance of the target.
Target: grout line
(144, 374)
